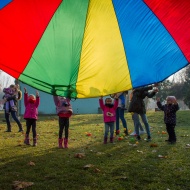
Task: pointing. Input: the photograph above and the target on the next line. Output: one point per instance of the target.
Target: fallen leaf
(79, 155)
(96, 170)
(21, 184)
(88, 166)
(160, 156)
(153, 145)
(31, 163)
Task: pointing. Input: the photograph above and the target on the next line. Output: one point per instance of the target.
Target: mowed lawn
(89, 164)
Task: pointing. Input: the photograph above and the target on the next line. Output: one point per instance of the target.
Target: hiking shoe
(117, 132)
(126, 132)
(148, 139)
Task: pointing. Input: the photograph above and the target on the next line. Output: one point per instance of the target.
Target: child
(170, 109)
(31, 103)
(64, 111)
(109, 113)
(10, 105)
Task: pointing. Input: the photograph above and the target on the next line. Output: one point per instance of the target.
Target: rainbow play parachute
(89, 48)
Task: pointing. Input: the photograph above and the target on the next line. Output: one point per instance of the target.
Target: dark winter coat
(169, 112)
(137, 104)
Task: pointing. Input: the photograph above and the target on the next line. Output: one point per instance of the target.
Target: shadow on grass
(121, 165)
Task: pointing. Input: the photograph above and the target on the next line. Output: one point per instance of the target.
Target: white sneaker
(142, 132)
(133, 134)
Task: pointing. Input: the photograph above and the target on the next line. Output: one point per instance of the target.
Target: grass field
(123, 165)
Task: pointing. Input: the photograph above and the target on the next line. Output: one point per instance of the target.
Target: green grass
(117, 166)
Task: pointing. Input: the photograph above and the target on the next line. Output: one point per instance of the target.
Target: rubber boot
(8, 128)
(111, 139)
(27, 140)
(60, 141)
(105, 140)
(20, 128)
(34, 141)
(65, 143)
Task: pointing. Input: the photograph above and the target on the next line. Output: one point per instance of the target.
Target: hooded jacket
(31, 109)
(109, 113)
(137, 104)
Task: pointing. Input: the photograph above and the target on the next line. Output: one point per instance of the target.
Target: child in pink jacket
(109, 114)
(31, 103)
(64, 111)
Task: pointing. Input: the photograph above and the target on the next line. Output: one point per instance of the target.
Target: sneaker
(148, 139)
(138, 138)
(8, 131)
(133, 134)
(142, 132)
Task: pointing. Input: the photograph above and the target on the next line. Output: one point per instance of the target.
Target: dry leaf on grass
(79, 155)
(160, 156)
(31, 163)
(88, 166)
(21, 184)
(96, 170)
(120, 177)
(153, 145)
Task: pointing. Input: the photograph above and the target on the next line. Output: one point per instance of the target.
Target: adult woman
(137, 106)
(13, 111)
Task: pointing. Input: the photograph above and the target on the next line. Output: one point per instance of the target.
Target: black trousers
(171, 132)
(31, 123)
(63, 124)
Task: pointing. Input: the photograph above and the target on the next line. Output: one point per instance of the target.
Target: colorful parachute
(88, 48)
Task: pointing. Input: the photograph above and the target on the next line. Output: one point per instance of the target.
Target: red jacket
(109, 113)
(31, 109)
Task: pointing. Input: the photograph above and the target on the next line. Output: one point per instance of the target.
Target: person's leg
(13, 114)
(61, 127)
(34, 132)
(111, 127)
(123, 120)
(66, 124)
(168, 131)
(28, 126)
(171, 129)
(147, 127)
(141, 127)
(7, 106)
(106, 132)
(117, 121)
(7, 118)
(136, 123)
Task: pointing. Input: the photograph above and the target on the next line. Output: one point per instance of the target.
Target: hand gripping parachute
(90, 48)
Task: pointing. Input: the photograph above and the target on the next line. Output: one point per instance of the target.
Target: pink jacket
(31, 109)
(109, 113)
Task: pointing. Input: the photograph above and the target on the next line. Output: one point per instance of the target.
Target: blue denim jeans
(120, 115)
(137, 123)
(109, 127)
(13, 114)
